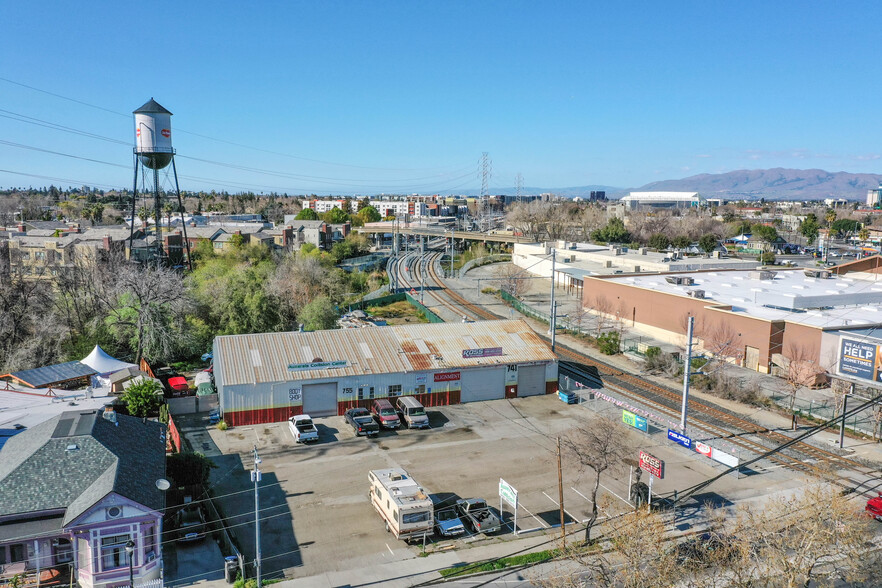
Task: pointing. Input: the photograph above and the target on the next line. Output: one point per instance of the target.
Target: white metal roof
(663, 196)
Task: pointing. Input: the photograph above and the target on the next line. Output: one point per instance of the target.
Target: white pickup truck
(303, 429)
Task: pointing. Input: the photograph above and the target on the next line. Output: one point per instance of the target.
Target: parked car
(478, 515)
(412, 412)
(191, 524)
(874, 507)
(362, 421)
(448, 523)
(385, 414)
(303, 429)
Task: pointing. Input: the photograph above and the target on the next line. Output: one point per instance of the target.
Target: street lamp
(130, 550)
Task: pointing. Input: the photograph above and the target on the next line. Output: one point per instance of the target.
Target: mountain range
(748, 184)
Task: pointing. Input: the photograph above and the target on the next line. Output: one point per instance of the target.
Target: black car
(362, 421)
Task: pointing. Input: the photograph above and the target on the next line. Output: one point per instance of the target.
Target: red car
(874, 507)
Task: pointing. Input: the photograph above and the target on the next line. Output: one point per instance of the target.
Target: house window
(16, 552)
(40, 255)
(113, 552)
(360, 393)
(371, 392)
(150, 538)
(218, 245)
(395, 390)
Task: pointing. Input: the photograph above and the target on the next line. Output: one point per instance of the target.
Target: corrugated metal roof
(52, 374)
(265, 357)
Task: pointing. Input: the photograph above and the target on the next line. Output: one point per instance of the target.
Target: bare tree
(723, 342)
(598, 447)
(801, 371)
(512, 279)
(603, 314)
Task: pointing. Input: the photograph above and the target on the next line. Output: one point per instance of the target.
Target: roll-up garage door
(320, 400)
(487, 384)
(531, 380)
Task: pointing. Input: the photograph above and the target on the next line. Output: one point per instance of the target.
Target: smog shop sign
(638, 422)
(859, 359)
(482, 352)
(680, 438)
(653, 465)
(507, 493)
(317, 365)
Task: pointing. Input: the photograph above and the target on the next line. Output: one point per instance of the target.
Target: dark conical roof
(152, 107)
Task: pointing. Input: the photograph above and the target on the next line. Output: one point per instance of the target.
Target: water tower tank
(153, 135)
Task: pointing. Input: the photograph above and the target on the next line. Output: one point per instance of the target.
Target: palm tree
(168, 208)
(143, 214)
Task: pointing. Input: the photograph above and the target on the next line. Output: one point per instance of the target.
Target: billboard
(629, 418)
(859, 359)
(482, 352)
(680, 438)
(652, 464)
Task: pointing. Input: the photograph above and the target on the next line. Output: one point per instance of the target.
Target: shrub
(766, 258)
(608, 343)
(652, 352)
(222, 426)
(488, 290)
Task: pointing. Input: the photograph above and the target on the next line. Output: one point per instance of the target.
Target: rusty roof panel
(265, 357)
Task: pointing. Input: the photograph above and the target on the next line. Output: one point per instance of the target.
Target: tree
(613, 232)
(845, 227)
(168, 208)
(599, 447)
(335, 216)
(369, 214)
(810, 228)
(830, 216)
(766, 234)
(318, 315)
(188, 469)
(659, 241)
(143, 215)
(708, 243)
(143, 399)
(307, 214)
(511, 279)
(801, 371)
(864, 234)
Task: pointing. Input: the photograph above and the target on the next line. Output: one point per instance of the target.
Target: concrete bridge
(411, 229)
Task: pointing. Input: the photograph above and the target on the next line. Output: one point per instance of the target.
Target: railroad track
(715, 422)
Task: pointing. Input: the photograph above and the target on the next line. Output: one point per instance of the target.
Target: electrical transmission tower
(519, 180)
(484, 203)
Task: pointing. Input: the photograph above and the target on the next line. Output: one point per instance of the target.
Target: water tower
(153, 151)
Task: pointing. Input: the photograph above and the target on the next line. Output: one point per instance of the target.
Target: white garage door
(531, 380)
(483, 384)
(320, 400)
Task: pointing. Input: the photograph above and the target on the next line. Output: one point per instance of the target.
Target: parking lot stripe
(390, 550)
(616, 495)
(541, 522)
(557, 504)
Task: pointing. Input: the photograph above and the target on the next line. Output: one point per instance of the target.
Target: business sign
(421, 379)
(294, 395)
(638, 422)
(317, 365)
(703, 449)
(482, 352)
(653, 465)
(511, 375)
(859, 359)
(680, 438)
(447, 376)
(507, 493)
(725, 458)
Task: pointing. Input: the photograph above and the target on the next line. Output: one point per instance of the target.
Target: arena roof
(278, 357)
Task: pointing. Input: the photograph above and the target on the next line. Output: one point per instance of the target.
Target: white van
(413, 413)
(404, 506)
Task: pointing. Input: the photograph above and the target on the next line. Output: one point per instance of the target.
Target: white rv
(404, 505)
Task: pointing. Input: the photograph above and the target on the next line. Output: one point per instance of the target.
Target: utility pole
(553, 310)
(686, 369)
(255, 477)
(563, 528)
(554, 327)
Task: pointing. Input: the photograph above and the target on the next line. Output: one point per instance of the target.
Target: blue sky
(361, 97)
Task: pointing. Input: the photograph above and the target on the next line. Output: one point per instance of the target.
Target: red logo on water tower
(166, 133)
(137, 132)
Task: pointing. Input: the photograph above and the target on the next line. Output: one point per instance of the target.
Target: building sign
(482, 352)
(317, 365)
(507, 493)
(653, 465)
(680, 438)
(294, 395)
(447, 377)
(859, 359)
(638, 422)
(511, 375)
(421, 379)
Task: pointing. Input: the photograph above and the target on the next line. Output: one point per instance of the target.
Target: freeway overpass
(433, 232)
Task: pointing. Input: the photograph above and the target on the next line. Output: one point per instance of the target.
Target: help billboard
(859, 359)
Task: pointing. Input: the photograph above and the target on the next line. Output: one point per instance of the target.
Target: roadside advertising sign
(725, 458)
(680, 438)
(507, 493)
(447, 377)
(652, 464)
(860, 359)
(638, 422)
(482, 352)
(703, 449)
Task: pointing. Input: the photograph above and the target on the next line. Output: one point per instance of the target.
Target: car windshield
(415, 517)
(190, 517)
(446, 515)
(416, 412)
(387, 412)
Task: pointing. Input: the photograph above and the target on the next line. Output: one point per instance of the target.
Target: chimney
(105, 242)
(21, 228)
(109, 414)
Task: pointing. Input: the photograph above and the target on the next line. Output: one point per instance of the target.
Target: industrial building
(642, 200)
(759, 319)
(270, 377)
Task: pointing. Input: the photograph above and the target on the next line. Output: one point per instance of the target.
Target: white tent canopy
(104, 364)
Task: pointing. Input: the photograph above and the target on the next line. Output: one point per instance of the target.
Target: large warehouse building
(270, 377)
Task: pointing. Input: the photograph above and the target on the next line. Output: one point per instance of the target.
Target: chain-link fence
(862, 423)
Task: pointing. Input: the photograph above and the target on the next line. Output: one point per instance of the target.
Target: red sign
(166, 133)
(703, 449)
(137, 132)
(652, 464)
(413, 292)
(447, 377)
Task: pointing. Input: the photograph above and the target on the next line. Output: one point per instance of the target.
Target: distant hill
(775, 184)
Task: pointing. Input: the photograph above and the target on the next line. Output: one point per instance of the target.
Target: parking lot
(314, 499)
